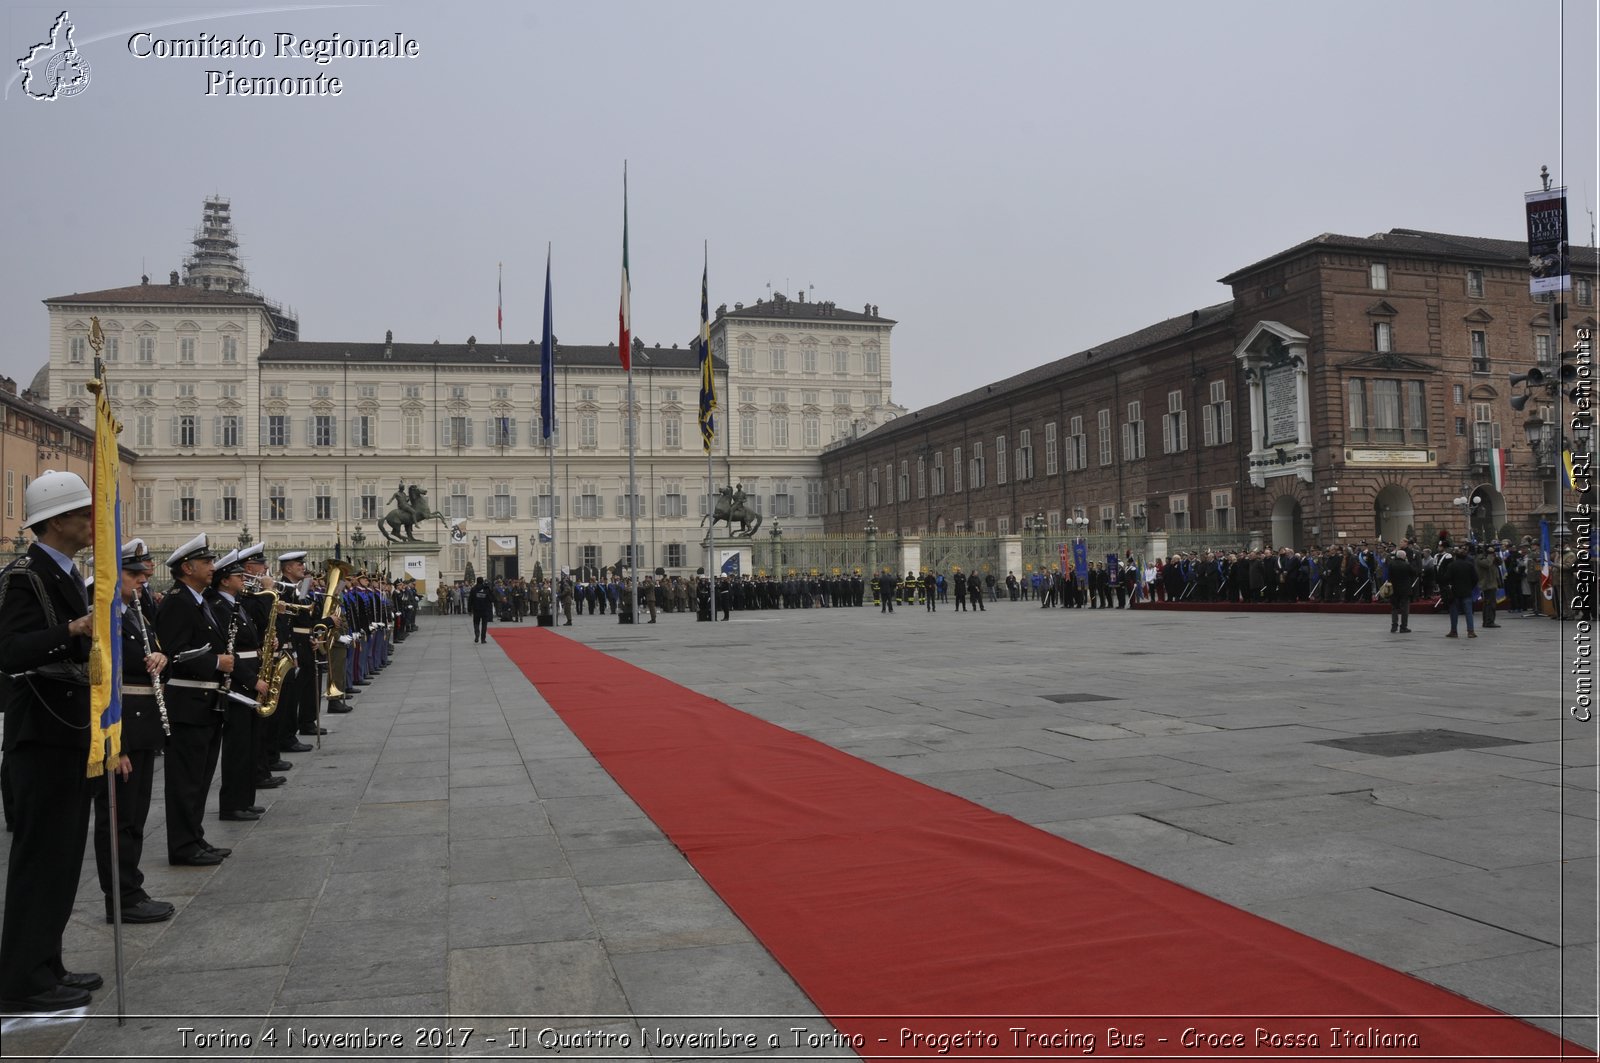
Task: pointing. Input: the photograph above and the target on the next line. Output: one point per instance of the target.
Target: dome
(41, 383)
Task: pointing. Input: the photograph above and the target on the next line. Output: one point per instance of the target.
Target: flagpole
(707, 376)
(500, 302)
(547, 409)
(625, 317)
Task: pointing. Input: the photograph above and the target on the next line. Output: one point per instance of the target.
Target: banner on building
(416, 566)
(1548, 267)
(502, 545)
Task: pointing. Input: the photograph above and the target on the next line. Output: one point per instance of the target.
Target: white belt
(301, 630)
(147, 691)
(247, 655)
(194, 684)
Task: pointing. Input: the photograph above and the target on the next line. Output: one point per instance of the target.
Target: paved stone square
(453, 854)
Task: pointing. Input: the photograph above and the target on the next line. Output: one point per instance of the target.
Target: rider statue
(731, 506)
(411, 509)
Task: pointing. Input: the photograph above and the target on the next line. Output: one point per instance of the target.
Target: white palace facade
(241, 427)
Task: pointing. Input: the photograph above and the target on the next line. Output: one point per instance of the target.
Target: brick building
(1352, 387)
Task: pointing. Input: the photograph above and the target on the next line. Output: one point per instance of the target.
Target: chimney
(1194, 319)
(472, 343)
(8, 385)
(144, 278)
(867, 309)
(172, 279)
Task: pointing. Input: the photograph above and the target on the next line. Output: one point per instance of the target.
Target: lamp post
(872, 545)
(1327, 502)
(244, 536)
(358, 539)
(1468, 503)
(777, 546)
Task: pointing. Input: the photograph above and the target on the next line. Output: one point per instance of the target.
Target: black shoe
(298, 747)
(1405, 631)
(1393, 628)
(86, 981)
(313, 733)
(1491, 625)
(199, 858)
(271, 782)
(337, 707)
(146, 911)
(279, 765)
(259, 810)
(241, 816)
(61, 998)
(224, 853)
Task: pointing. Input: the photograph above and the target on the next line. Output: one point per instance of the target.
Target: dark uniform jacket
(183, 625)
(45, 710)
(246, 639)
(141, 719)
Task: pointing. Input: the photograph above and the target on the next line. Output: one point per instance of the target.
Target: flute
(155, 680)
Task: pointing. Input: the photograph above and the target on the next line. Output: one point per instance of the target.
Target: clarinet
(155, 680)
(227, 680)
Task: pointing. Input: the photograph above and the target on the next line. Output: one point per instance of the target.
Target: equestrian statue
(410, 509)
(731, 507)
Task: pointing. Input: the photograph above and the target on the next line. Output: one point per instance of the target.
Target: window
(458, 393)
(76, 348)
(1105, 437)
(1382, 337)
(456, 431)
(228, 504)
(113, 348)
(1416, 412)
(782, 500)
(955, 463)
(276, 391)
(938, 473)
(780, 360)
(1051, 462)
(144, 504)
(1485, 432)
(1457, 394)
(324, 430)
(747, 359)
(536, 432)
(323, 391)
(183, 431)
(747, 395)
(1386, 426)
(1002, 525)
(145, 391)
(1108, 518)
(147, 349)
(1000, 461)
(977, 475)
(672, 431)
(1025, 454)
(1541, 350)
(1178, 513)
(230, 348)
(11, 492)
(1077, 446)
(324, 505)
(370, 391)
(1379, 276)
(812, 426)
(502, 504)
(675, 555)
(1582, 294)
(872, 487)
(841, 399)
(278, 507)
(230, 391)
(671, 502)
(588, 430)
(590, 505)
(808, 359)
(1175, 425)
(412, 391)
(872, 364)
(1475, 283)
(980, 525)
(780, 397)
(1218, 427)
(1221, 516)
(277, 430)
(543, 504)
(1357, 402)
(228, 431)
(813, 498)
(874, 398)
(1133, 433)
(185, 391)
(502, 431)
(460, 503)
(367, 502)
(747, 431)
(413, 430)
(364, 432)
(186, 508)
(1461, 426)
(904, 494)
(780, 431)
(144, 430)
(1480, 351)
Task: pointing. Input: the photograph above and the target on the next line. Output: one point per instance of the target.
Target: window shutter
(333, 430)
(333, 508)
(469, 505)
(173, 441)
(489, 431)
(661, 505)
(262, 510)
(511, 431)
(288, 508)
(513, 505)
(216, 431)
(468, 441)
(599, 505)
(216, 511)
(444, 431)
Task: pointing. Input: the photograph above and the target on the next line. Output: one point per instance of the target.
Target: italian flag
(624, 318)
(1497, 468)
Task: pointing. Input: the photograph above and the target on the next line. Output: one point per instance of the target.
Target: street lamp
(1468, 504)
(244, 536)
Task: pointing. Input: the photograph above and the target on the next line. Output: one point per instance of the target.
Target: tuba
(325, 634)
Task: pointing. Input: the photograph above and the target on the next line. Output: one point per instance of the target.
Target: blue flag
(708, 382)
(547, 362)
(730, 567)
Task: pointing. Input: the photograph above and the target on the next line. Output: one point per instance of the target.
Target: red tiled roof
(166, 294)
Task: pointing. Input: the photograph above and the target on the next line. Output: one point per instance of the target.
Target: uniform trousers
(307, 696)
(52, 798)
(238, 791)
(133, 810)
(192, 754)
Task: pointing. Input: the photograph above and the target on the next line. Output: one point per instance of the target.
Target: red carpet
(889, 901)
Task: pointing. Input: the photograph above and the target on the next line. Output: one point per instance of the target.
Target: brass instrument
(279, 665)
(325, 634)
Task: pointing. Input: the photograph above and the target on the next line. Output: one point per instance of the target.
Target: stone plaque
(1283, 408)
(1374, 456)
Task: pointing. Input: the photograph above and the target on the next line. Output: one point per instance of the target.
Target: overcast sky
(1011, 182)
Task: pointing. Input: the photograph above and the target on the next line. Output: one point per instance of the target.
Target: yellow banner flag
(105, 658)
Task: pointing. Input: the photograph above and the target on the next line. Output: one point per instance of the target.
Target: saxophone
(279, 665)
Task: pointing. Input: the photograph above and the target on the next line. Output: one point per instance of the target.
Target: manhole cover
(1410, 743)
(1068, 699)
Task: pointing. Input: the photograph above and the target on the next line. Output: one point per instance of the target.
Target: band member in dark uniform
(142, 740)
(237, 795)
(302, 700)
(45, 637)
(187, 623)
(264, 756)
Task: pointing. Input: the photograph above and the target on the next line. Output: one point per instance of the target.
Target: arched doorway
(1288, 529)
(1488, 512)
(1393, 513)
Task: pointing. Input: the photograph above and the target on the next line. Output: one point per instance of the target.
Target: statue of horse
(399, 524)
(731, 507)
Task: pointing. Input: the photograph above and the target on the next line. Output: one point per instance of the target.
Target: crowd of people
(223, 673)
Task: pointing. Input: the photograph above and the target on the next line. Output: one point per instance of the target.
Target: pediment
(1271, 341)
(187, 326)
(1479, 316)
(1391, 362)
(77, 324)
(145, 326)
(1483, 391)
(229, 404)
(1382, 308)
(1541, 320)
(229, 326)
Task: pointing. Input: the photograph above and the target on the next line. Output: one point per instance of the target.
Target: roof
(1121, 347)
(166, 294)
(486, 354)
(782, 308)
(1418, 243)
